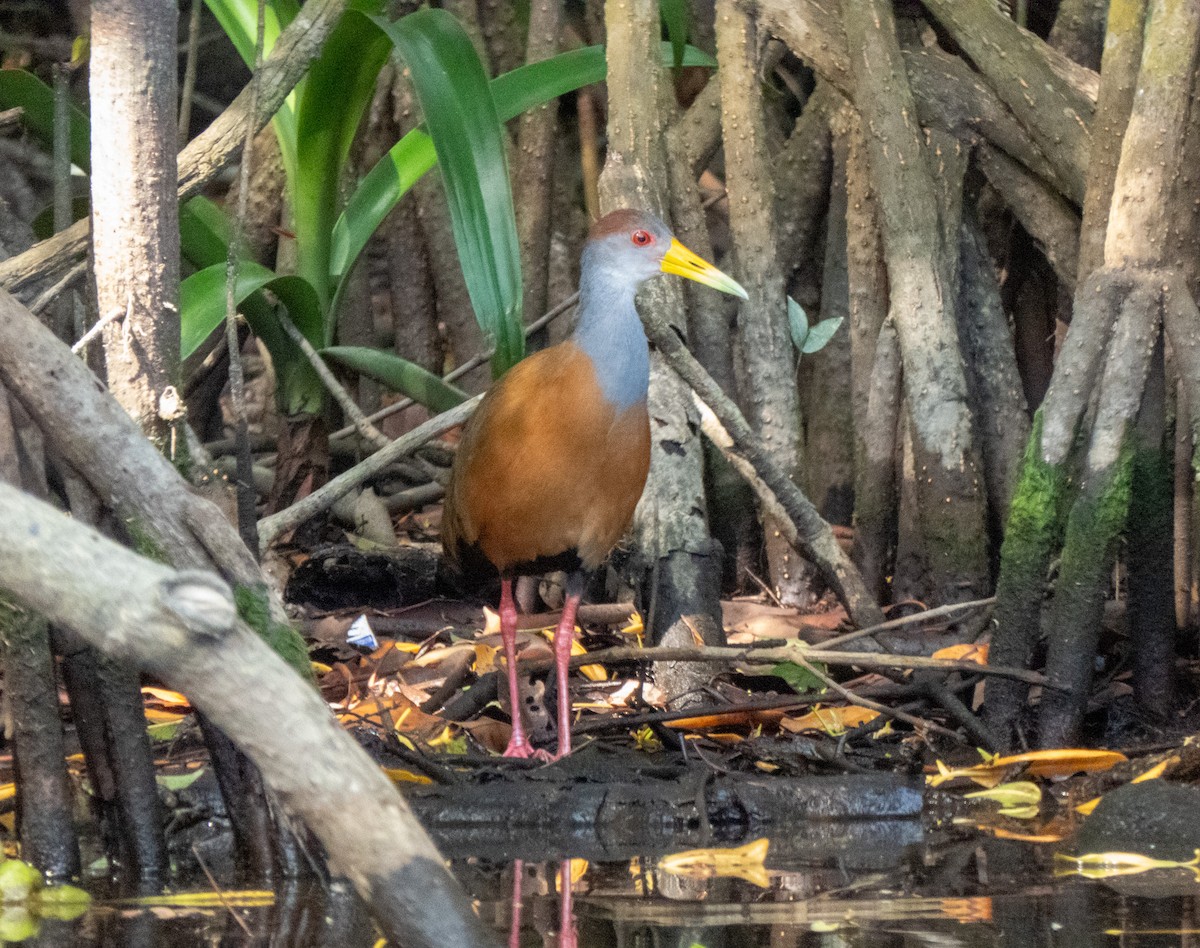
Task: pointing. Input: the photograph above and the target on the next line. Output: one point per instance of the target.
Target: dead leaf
(1042, 763)
(832, 721)
(740, 862)
(966, 652)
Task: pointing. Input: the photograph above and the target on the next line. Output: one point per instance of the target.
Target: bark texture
(670, 525)
(919, 277)
(768, 388)
(183, 627)
(135, 211)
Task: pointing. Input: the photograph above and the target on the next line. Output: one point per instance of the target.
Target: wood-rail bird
(553, 462)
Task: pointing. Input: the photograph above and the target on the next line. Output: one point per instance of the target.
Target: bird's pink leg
(564, 635)
(567, 936)
(514, 928)
(518, 743)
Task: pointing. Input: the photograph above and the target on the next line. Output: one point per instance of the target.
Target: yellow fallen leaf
(246, 898)
(833, 721)
(1043, 763)
(166, 696)
(740, 862)
(1107, 865)
(590, 672)
(634, 627)
(399, 775)
(1085, 809)
(964, 652)
(485, 658)
(577, 869)
(1016, 793)
(158, 716)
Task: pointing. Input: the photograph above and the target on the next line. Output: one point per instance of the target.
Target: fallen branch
(920, 725)
(775, 654)
(183, 627)
(270, 528)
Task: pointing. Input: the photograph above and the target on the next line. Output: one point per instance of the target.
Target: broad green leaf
(202, 309)
(820, 334)
(797, 323)
(336, 93)
(399, 375)
(799, 677)
(239, 20)
(460, 114)
(204, 232)
(676, 14)
(21, 89)
(176, 782)
(514, 92)
(384, 185)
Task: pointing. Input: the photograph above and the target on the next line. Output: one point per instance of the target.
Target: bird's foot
(522, 749)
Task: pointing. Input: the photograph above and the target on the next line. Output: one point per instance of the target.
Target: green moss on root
(254, 608)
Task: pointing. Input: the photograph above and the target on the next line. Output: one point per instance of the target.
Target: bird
(552, 463)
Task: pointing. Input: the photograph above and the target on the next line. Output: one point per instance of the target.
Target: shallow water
(894, 884)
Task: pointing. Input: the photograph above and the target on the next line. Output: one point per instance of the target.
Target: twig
(110, 316)
(472, 363)
(269, 528)
(47, 296)
(908, 620)
(220, 893)
(244, 486)
(622, 721)
(919, 724)
(803, 526)
(774, 655)
(358, 420)
(188, 86)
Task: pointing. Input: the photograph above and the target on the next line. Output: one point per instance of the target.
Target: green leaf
(380, 190)
(798, 677)
(163, 730)
(204, 232)
(18, 880)
(676, 14)
(399, 375)
(239, 20)
(336, 93)
(21, 89)
(797, 323)
(514, 92)
(460, 114)
(202, 310)
(181, 781)
(820, 334)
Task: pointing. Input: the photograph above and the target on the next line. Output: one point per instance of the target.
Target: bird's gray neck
(610, 332)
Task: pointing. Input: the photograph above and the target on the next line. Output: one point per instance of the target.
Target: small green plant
(809, 338)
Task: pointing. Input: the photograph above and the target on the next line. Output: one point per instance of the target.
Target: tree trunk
(768, 379)
(952, 510)
(135, 211)
(680, 573)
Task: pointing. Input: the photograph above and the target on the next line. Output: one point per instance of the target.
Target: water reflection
(946, 891)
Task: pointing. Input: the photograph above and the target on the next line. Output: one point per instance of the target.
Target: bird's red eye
(642, 238)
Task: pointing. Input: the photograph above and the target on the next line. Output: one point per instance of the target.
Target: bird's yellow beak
(682, 262)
